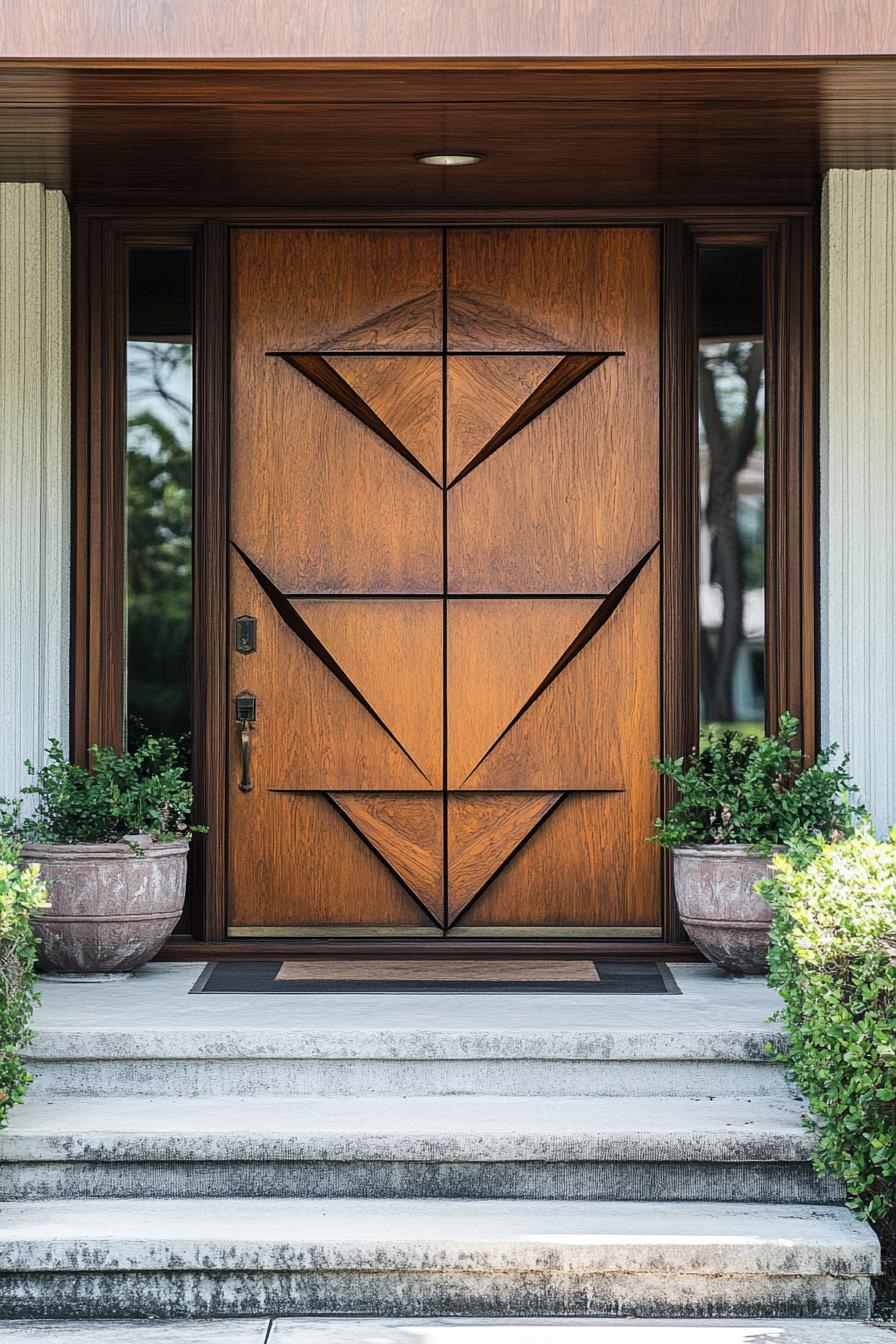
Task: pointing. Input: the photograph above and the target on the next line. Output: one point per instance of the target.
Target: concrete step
(666, 1148)
(183, 1061)
(175, 1258)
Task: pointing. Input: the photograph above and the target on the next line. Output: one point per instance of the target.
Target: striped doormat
(435, 975)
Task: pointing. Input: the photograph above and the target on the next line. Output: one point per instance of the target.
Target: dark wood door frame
(98, 545)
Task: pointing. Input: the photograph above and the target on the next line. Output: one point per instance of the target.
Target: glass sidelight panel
(731, 371)
(159, 516)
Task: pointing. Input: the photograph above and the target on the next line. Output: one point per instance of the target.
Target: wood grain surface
(591, 290)
(405, 829)
(452, 555)
(337, 289)
(484, 833)
(482, 395)
(569, 504)
(311, 140)
(313, 732)
(587, 866)
(405, 393)
(500, 650)
(594, 724)
(359, 29)
(321, 497)
(313, 871)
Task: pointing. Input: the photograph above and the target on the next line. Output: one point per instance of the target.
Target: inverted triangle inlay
(325, 376)
(482, 393)
(559, 377)
(405, 392)
(392, 652)
(405, 831)
(485, 831)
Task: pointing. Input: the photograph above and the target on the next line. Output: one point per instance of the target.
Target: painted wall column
(858, 477)
(35, 418)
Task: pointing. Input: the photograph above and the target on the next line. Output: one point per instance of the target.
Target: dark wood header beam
(325, 137)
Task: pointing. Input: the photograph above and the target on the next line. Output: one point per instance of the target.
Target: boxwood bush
(21, 892)
(142, 792)
(833, 959)
(757, 791)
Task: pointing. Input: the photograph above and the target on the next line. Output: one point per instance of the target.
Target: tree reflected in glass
(732, 534)
(159, 538)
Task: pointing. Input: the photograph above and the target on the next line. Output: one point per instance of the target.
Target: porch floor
(157, 1001)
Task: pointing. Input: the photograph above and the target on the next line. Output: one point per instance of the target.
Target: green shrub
(833, 959)
(21, 892)
(746, 790)
(139, 793)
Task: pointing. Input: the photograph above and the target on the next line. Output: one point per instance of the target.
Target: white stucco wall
(858, 477)
(35, 415)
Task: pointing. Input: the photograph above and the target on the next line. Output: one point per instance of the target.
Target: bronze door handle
(245, 717)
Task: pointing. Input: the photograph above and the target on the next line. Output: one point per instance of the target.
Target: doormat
(434, 975)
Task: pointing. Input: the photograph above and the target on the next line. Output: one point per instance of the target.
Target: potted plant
(741, 799)
(111, 843)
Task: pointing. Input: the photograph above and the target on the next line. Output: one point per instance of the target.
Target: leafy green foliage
(140, 793)
(21, 893)
(745, 790)
(833, 959)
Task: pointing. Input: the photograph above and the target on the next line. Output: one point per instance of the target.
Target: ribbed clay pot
(724, 915)
(110, 909)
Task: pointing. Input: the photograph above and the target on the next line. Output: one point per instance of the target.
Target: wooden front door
(445, 528)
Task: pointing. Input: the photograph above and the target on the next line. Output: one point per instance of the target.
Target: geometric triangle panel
(405, 393)
(391, 653)
(602, 695)
(510, 646)
(484, 831)
(405, 830)
(483, 392)
(533, 382)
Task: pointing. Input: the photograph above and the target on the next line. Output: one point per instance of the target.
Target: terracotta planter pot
(724, 915)
(110, 909)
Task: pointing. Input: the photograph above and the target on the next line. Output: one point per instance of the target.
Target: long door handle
(245, 717)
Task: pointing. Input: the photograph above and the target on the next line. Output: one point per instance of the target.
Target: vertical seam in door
(445, 581)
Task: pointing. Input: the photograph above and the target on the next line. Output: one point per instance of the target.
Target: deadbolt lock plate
(246, 634)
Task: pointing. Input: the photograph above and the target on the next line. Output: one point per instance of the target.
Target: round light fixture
(443, 159)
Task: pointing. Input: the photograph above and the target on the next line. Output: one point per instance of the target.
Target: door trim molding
(97, 646)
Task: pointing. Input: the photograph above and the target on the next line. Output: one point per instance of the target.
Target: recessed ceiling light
(449, 160)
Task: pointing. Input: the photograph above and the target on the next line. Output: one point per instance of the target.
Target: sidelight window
(159, 492)
(731, 398)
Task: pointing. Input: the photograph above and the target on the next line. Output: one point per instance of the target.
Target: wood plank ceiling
(559, 136)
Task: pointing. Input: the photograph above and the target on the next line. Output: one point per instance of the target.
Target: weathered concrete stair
(179, 1061)
(431, 1257)
(520, 1157)
(649, 1148)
